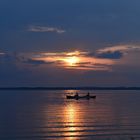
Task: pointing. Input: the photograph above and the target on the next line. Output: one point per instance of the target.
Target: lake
(48, 115)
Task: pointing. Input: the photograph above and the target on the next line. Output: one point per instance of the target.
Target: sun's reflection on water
(81, 119)
(71, 117)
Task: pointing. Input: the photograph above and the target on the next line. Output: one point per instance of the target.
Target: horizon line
(72, 88)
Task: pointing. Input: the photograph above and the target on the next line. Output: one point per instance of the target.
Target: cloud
(67, 60)
(121, 48)
(1, 53)
(110, 55)
(35, 62)
(45, 29)
(74, 60)
(26, 58)
(2, 56)
(91, 66)
(9, 58)
(116, 52)
(102, 59)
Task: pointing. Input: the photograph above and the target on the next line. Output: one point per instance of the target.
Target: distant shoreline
(70, 88)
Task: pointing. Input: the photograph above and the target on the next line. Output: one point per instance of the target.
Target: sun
(72, 61)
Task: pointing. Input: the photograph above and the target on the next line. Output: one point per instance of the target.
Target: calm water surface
(48, 115)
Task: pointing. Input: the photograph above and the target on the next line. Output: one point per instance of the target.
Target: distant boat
(76, 97)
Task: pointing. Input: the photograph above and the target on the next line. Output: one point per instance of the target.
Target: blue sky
(37, 36)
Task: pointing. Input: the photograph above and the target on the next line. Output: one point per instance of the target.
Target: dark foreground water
(45, 115)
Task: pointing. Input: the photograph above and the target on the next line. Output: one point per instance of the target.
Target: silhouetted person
(76, 95)
(88, 94)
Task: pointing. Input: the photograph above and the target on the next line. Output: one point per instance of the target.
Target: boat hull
(80, 97)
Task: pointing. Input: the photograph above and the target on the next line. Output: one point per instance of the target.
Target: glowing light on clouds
(122, 48)
(74, 60)
(99, 60)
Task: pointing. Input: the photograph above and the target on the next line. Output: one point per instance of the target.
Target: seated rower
(88, 94)
(76, 95)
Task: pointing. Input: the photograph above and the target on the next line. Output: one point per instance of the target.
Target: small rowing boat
(76, 97)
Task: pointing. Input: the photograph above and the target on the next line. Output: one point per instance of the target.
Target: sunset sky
(69, 43)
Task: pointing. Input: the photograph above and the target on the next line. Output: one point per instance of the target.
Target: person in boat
(88, 94)
(76, 95)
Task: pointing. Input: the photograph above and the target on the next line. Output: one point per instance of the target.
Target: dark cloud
(110, 55)
(84, 63)
(36, 62)
(7, 58)
(91, 67)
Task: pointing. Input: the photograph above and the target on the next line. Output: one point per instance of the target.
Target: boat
(76, 97)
